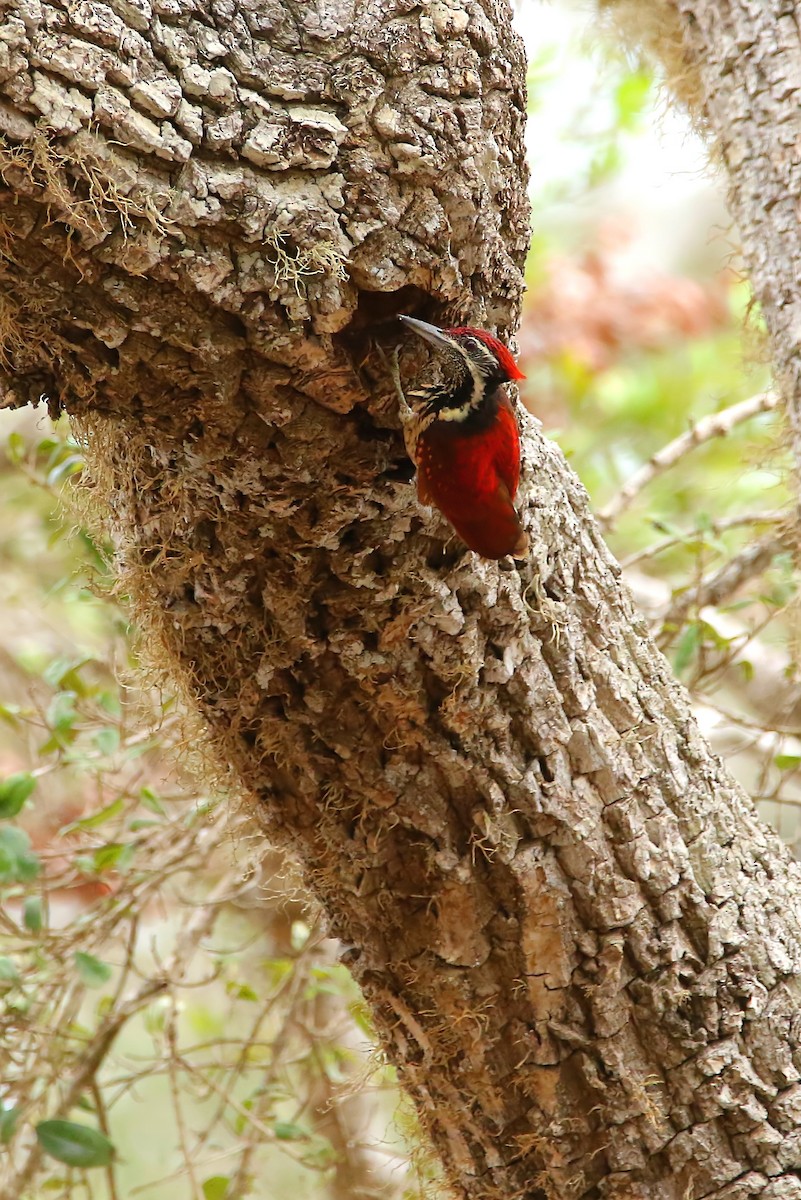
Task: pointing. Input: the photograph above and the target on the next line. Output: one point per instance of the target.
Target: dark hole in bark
(236, 325)
(376, 309)
(76, 335)
(205, 535)
(375, 562)
(400, 472)
(442, 558)
(552, 589)
(368, 431)
(436, 689)
(351, 538)
(545, 770)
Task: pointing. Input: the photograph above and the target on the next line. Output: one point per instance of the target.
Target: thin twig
(173, 1061)
(86, 1070)
(748, 564)
(102, 1120)
(715, 527)
(715, 425)
(98, 1048)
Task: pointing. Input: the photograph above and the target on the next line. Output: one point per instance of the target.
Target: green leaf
(10, 714)
(631, 97)
(240, 991)
(363, 1018)
(687, 646)
(32, 914)
(72, 464)
(73, 1144)
(14, 791)
(103, 1008)
(8, 971)
(151, 801)
(47, 445)
(63, 674)
(114, 856)
(110, 702)
(92, 972)
(61, 717)
(288, 1131)
(18, 862)
(107, 740)
(98, 818)
(15, 447)
(216, 1187)
(8, 1123)
(787, 762)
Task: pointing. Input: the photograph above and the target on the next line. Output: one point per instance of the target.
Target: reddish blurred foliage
(44, 821)
(596, 309)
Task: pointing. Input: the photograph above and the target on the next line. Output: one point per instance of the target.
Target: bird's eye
(480, 353)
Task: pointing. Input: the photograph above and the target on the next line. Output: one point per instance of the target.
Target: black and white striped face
(470, 369)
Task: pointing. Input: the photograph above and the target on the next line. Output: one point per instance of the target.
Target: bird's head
(475, 364)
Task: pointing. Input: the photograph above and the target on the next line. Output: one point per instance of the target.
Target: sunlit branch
(746, 565)
(714, 528)
(716, 425)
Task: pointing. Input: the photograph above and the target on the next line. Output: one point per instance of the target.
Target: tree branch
(751, 562)
(716, 526)
(716, 425)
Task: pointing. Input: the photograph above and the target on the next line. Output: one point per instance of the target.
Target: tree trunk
(581, 948)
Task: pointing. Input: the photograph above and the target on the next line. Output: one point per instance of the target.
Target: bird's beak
(429, 332)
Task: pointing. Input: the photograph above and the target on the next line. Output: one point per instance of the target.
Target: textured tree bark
(581, 947)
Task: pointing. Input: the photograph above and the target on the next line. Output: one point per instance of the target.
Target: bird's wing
(507, 446)
(492, 529)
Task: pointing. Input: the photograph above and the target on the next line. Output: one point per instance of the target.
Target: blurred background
(177, 1026)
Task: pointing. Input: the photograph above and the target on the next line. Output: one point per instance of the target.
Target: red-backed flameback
(462, 436)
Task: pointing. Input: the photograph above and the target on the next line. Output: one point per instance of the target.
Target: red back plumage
(472, 480)
(466, 442)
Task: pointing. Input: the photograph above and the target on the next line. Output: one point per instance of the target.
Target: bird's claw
(393, 370)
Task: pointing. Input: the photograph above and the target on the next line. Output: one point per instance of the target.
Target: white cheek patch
(479, 384)
(456, 414)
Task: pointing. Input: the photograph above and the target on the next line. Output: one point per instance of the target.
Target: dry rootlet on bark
(581, 948)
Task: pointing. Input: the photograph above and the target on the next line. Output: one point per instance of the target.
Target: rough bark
(580, 946)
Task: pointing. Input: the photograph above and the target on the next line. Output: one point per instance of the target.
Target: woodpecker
(462, 436)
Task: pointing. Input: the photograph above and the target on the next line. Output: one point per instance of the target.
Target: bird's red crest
(501, 352)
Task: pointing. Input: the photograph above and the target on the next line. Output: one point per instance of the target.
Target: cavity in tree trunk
(580, 946)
